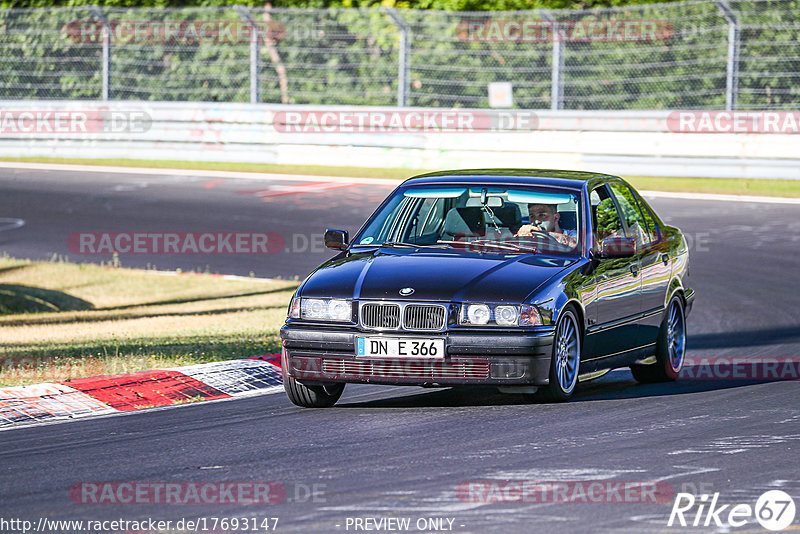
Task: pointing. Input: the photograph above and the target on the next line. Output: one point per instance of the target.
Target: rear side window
(635, 222)
(649, 218)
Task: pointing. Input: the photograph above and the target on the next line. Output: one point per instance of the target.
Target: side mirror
(336, 239)
(618, 247)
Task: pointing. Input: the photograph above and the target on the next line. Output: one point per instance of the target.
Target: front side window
(491, 218)
(605, 217)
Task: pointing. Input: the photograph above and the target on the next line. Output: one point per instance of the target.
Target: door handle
(634, 270)
(665, 259)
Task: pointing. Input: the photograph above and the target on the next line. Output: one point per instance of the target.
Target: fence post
(255, 70)
(403, 82)
(98, 14)
(556, 80)
(732, 79)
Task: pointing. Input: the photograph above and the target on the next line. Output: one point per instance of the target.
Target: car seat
(464, 222)
(568, 220)
(508, 216)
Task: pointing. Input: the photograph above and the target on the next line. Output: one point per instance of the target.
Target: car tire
(565, 360)
(670, 347)
(323, 396)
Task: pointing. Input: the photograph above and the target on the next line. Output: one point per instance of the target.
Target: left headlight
(321, 309)
(499, 315)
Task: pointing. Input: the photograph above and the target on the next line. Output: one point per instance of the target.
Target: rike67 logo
(774, 510)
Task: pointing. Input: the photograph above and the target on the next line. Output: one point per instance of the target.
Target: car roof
(559, 178)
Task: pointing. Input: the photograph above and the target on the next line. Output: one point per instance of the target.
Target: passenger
(544, 218)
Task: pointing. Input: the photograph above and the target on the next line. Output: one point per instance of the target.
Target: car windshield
(483, 218)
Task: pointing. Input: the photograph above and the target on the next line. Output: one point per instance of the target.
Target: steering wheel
(535, 231)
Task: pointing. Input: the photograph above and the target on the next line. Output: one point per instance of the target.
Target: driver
(544, 218)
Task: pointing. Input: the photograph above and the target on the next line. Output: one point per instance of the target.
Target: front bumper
(327, 355)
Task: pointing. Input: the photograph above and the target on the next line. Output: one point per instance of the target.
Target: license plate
(405, 348)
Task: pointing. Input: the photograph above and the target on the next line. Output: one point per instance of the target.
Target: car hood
(440, 275)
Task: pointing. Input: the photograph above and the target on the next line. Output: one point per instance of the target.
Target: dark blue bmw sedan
(528, 280)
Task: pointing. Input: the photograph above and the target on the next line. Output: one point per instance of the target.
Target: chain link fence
(685, 55)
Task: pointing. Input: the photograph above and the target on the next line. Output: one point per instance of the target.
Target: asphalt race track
(56, 205)
(403, 452)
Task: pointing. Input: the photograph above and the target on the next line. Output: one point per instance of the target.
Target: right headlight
(499, 315)
(321, 309)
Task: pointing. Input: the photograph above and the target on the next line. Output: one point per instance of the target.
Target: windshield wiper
(501, 245)
(403, 244)
(506, 245)
(395, 244)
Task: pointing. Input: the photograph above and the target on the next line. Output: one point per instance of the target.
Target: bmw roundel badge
(406, 291)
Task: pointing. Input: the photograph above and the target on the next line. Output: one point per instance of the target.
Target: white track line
(10, 223)
(308, 177)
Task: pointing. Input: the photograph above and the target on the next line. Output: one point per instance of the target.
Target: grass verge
(720, 186)
(726, 186)
(62, 320)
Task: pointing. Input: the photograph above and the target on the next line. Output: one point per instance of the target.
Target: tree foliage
(444, 5)
(350, 57)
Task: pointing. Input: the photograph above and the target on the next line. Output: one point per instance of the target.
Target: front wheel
(670, 347)
(566, 359)
(322, 396)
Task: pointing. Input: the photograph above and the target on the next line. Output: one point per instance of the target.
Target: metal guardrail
(622, 142)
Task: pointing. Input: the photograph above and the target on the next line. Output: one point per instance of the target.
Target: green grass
(62, 320)
(725, 186)
(728, 186)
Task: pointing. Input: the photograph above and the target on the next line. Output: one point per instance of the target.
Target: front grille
(474, 368)
(381, 316)
(424, 317)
